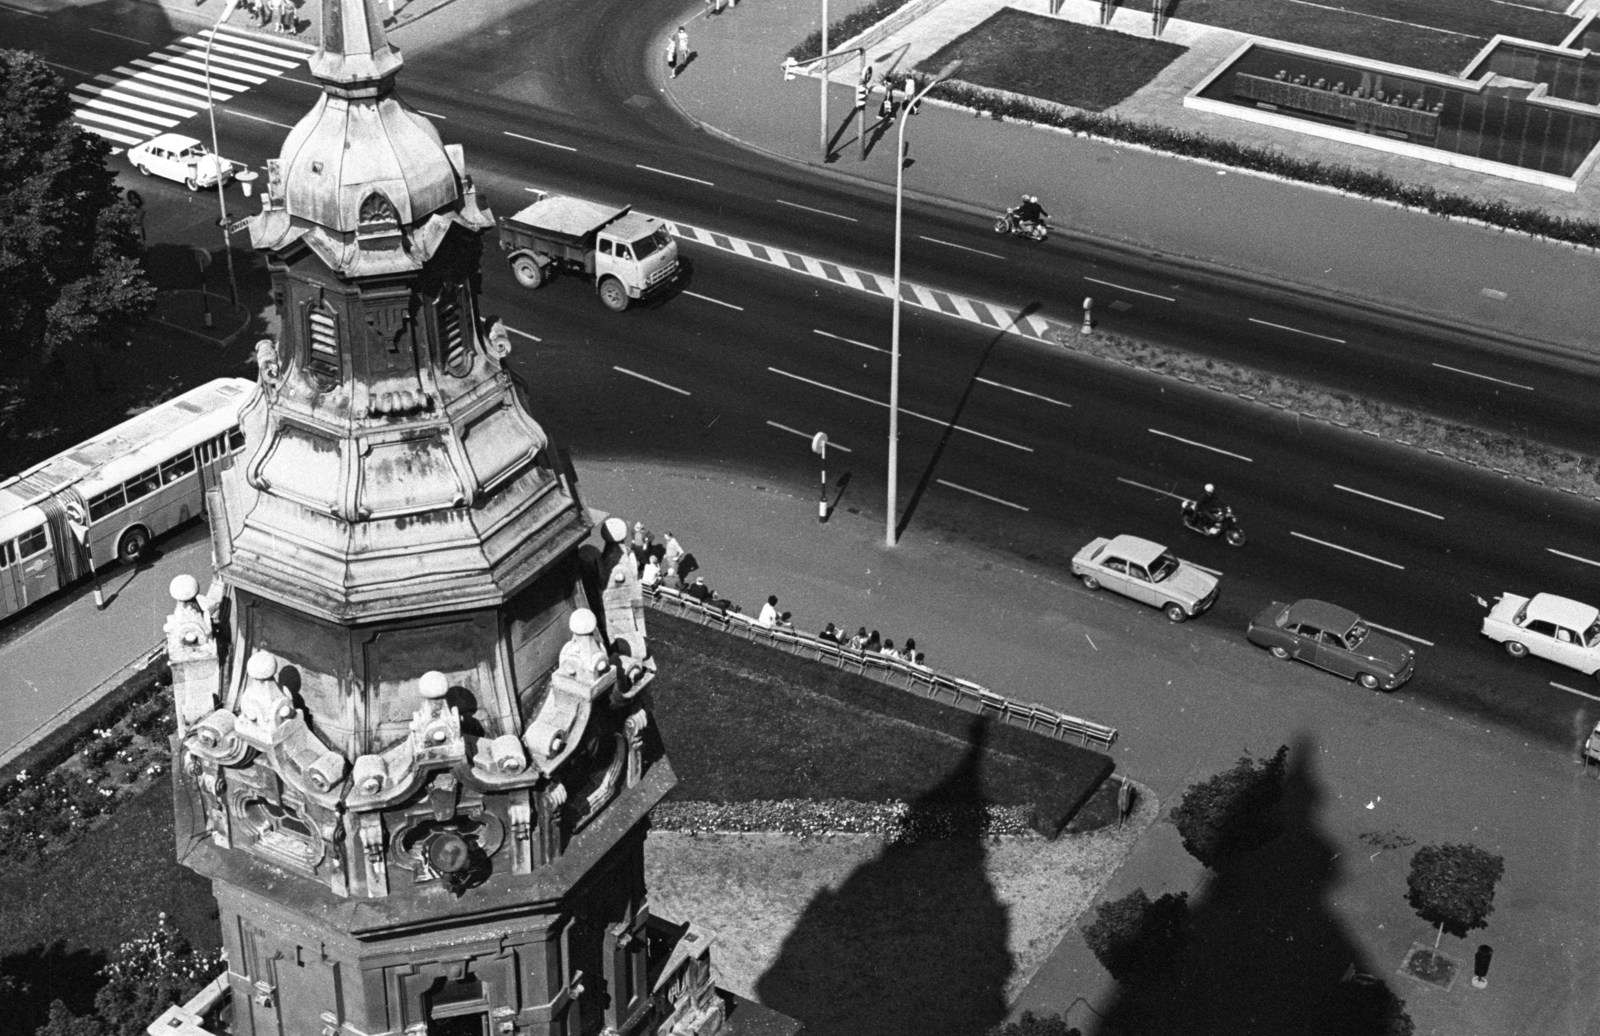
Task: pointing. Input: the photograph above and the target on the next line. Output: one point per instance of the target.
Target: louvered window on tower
(323, 334)
(452, 343)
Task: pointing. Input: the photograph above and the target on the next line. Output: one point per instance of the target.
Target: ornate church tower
(412, 753)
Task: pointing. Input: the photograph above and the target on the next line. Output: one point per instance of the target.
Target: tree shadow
(1266, 954)
(31, 979)
(955, 419)
(913, 942)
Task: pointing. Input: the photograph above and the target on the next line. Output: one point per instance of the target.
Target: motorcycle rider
(1030, 211)
(1209, 508)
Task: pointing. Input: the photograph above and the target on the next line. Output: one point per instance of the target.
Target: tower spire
(355, 52)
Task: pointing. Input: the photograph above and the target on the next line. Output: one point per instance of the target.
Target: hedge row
(1263, 159)
(897, 821)
(848, 27)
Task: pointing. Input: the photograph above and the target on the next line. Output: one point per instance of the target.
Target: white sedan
(1146, 572)
(1552, 627)
(180, 158)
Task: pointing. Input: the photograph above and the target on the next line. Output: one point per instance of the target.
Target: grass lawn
(1078, 65)
(1443, 35)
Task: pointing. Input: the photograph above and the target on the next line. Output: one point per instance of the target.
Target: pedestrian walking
(672, 54)
(683, 51)
(673, 555)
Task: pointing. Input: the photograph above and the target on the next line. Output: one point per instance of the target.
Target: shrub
(1132, 936)
(145, 977)
(1030, 1024)
(1452, 886)
(1232, 812)
(848, 27)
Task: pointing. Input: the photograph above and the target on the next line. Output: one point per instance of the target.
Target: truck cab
(638, 252)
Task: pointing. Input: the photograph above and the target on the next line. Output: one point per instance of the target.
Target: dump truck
(627, 256)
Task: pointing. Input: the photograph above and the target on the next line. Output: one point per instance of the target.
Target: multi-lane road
(1007, 440)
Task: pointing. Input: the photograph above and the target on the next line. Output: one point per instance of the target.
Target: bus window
(8, 553)
(235, 440)
(31, 543)
(106, 503)
(142, 484)
(177, 468)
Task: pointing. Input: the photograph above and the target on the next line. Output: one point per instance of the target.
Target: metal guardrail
(920, 679)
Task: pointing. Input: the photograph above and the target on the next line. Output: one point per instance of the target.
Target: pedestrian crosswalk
(151, 95)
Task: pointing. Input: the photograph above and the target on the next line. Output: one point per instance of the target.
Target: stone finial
(267, 367)
(436, 725)
(583, 657)
(615, 530)
(263, 705)
(499, 340)
(434, 685)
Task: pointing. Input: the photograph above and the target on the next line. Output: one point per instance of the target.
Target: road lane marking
(536, 140)
(1136, 291)
(118, 35)
(1213, 571)
(903, 410)
(1485, 377)
(986, 496)
(663, 172)
(1296, 330)
(18, 10)
(432, 115)
(1391, 503)
(1152, 489)
(852, 341)
(1025, 392)
(964, 248)
(302, 82)
(642, 377)
(1574, 557)
(1203, 446)
(255, 118)
(808, 436)
(1347, 550)
(708, 298)
(96, 104)
(820, 212)
(522, 334)
(1389, 629)
(122, 95)
(1574, 690)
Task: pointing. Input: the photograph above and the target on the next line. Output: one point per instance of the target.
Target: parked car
(180, 158)
(1333, 638)
(1146, 572)
(1552, 627)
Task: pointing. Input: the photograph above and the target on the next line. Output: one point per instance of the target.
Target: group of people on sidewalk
(658, 562)
(279, 14)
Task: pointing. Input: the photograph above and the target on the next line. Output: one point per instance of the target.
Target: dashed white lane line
(903, 410)
(1296, 330)
(1025, 392)
(820, 212)
(536, 140)
(678, 176)
(18, 10)
(1485, 377)
(1574, 557)
(1398, 633)
(433, 115)
(708, 298)
(1203, 446)
(256, 118)
(964, 248)
(808, 435)
(1391, 503)
(1136, 291)
(523, 334)
(118, 35)
(1152, 489)
(653, 381)
(1347, 550)
(851, 341)
(1213, 571)
(986, 496)
(1574, 690)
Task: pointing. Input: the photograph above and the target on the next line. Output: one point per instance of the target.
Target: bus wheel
(133, 543)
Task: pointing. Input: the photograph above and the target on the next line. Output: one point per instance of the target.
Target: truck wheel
(527, 272)
(614, 295)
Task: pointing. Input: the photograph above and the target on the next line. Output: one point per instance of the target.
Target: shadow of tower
(913, 942)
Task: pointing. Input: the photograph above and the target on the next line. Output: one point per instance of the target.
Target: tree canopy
(1452, 886)
(1232, 812)
(70, 270)
(1133, 936)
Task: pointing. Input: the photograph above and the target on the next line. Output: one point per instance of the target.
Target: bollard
(1480, 966)
(1088, 317)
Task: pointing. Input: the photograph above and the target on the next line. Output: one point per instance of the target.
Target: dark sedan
(1334, 639)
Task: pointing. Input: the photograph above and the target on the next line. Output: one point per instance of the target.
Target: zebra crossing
(150, 95)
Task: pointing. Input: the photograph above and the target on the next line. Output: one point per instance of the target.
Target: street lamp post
(211, 110)
(824, 80)
(890, 534)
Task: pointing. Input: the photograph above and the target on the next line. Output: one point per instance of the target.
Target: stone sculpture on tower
(412, 753)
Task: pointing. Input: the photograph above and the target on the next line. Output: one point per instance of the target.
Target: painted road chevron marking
(970, 310)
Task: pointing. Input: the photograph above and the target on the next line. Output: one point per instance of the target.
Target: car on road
(180, 158)
(1333, 638)
(1147, 572)
(1557, 628)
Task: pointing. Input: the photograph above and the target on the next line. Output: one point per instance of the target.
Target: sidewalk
(1323, 242)
(1189, 700)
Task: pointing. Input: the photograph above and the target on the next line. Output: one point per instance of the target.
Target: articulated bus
(127, 485)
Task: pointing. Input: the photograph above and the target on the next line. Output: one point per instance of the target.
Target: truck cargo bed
(565, 219)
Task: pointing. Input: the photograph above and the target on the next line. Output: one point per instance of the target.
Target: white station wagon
(1552, 627)
(1147, 572)
(180, 158)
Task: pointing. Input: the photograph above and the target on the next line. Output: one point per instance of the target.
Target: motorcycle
(1011, 223)
(1224, 523)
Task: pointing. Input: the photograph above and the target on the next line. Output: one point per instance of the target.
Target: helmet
(1210, 488)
